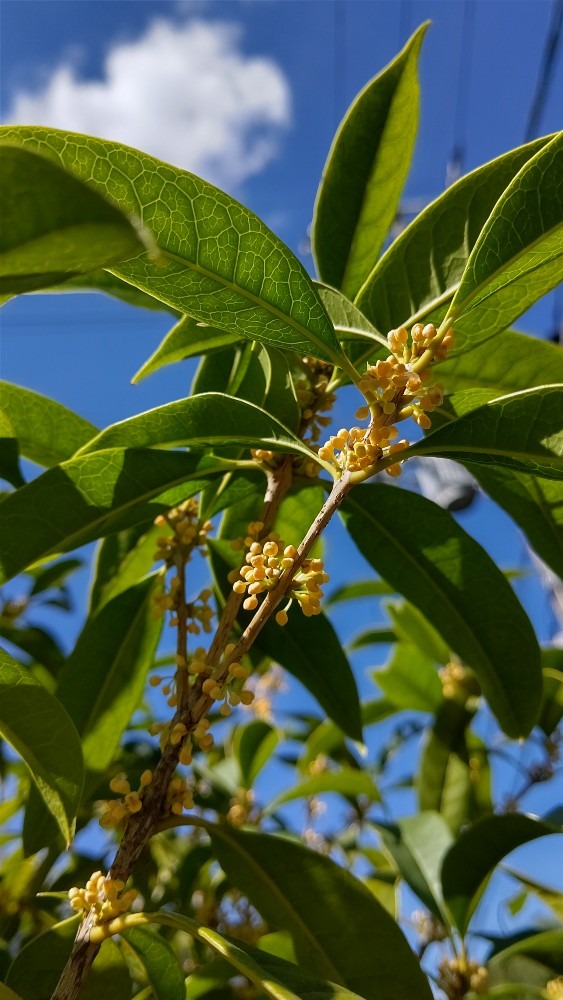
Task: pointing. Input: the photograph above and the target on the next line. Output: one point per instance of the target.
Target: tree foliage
(205, 883)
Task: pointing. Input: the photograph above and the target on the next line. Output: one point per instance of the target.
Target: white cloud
(185, 93)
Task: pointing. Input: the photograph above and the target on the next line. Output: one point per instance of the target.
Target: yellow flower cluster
(458, 976)
(313, 398)
(104, 896)
(179, 796)
(188, 531)
(458, 683)
(554, 988)
(116, 811)
(393, 390)
(265, 562)
(240, 807)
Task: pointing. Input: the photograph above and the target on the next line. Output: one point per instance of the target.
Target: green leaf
(54, 226)
(535, 504)
(35, 642)
(92, 496)
(46, 431)
(310, 650)
(535, 959)
(122, 560)
(549, 895)
(281, 400)
(277, 978)
(477, 851)
(204, 421)
(38, 728)
(365, 172)
(358, 336)
(420, 549)
(188, 338)
(333, 918)
(371, 637)
(253, 745)
(362, 588)
(35, 971)
(103, 679)
(110, 284)
(552, 705)
(348, 782)
(517, 257)
(410, 680)
(160, 963)
(445, 780)
(417, 845)
(414, 629)
(523, 431)
(218, 262)
(7, 994)
(419, 274)
(508, 363)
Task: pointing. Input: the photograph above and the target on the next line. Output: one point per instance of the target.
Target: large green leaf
(523, 431)
(414, 629)
(103, 679)
(410, 680)
(38, 644)
(210, 419)
(420, 549)
(54, 226)
(275, 977)
(477, 851)
(552, 706)
(418, 844)
(365, 172)
(517, 257)
(46, 431)
(535, 504)
(188, 338)
(218, 262)
(92, 496)
(508, 363)
(333, 918)
(110, 284)
(35, 971)
(159, 961)
(419, 274)
(253, 745)
(122, 559)
(43, 734)
(535, 959)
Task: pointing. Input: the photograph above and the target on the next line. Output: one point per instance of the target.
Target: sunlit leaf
(46, 431)
(364, 175)
(418, 844)
(410, 679)
(187, 339)
(348, 782)
(54, 226)
(159, 961)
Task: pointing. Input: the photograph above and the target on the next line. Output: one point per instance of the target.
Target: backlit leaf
(46, 431)
(188, 338)
(410, 679)
(159, 961)
(348, 782)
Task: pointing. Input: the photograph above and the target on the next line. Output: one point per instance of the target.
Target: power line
(546, 69)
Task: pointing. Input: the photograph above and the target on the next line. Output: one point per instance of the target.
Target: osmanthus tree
(202, 888)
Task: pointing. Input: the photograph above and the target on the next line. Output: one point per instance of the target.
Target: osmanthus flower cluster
(396, 388)
(459, 976)
(103, 898)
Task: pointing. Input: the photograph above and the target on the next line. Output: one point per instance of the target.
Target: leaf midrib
(285, 903)
(445, 597)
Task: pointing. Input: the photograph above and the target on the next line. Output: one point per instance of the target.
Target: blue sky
(249, 93)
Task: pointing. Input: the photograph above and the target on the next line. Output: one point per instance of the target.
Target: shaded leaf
(523, 432)
(187, 339)
(365, 171)
(517, 257)
(552, 705)
(537, 958)
(410, 679)
(413, 628)
(35, 642)
(46, 431)
(54, 226)
(159, 961)
(38, 728)
(419, 274)
(361, 588)
(92, 496)
(331, 915)
(507, 363)
(122, 560)
(35, 971)
(440, 569)
(218, 262)
(477, 851)
(418, 844)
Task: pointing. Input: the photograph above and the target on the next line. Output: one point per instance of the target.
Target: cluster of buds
(265, 562)
(240, 807)
(104, 896)
(188, 532)
(458, 977)
(313, 398)
(116, 811)
(554, 988)
(179, 796)
(458, 683)
(428, 928)
(393, 391)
